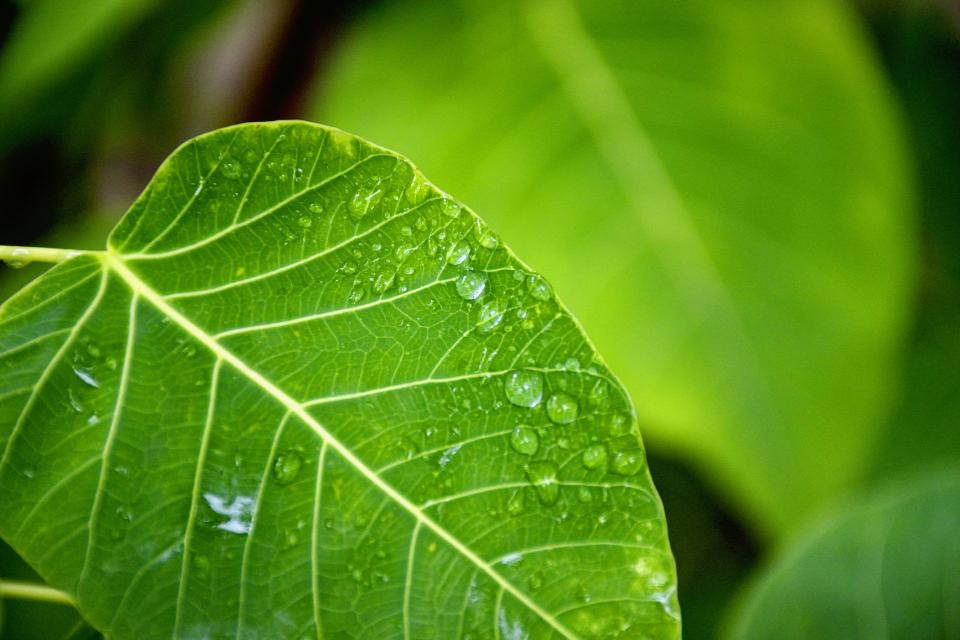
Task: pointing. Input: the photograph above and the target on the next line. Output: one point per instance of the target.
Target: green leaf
(717, 188)
(886, 568)
(304, 392)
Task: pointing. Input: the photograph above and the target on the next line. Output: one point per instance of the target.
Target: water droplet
(562, 408)
(628, 456)
(543, 476)
(539, 288)
(524, 388)
(571, 364)
(515, 504)
(535, 581)
(93, 350)
(448, 455)
(599, 394)
(511, 559)
(584, 495)
(355, 296)
(305, 221)
(525, 440)
(202, 563)
(484, 236)
(86, 376)
(417, 190)
(490, 316)
(617, 425)
(458, 253)
(383, 281)
(363, 201)
(582, 594)
(594, 456)
(286, 467)
(239, 512)
(290, 539)
(402, 251)
(470, 285)
(230, 170)
(627, 463)
(450, 207)
(315, 207)
(408, 448)
(74, 401)
(18, 259)
(348, 268)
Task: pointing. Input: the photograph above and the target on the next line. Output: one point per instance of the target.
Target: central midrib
(116, 263)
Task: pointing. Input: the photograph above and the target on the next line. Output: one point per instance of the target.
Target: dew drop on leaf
(18, 259)
(594, 456)
(524, 388)
(417, 190)
(230, 169)
(525, 440)
(86, 377)
(627, 463)
(627, 457)
(450, 207)
(383, 281)
(543, 476)
(286, 467)
(490, 316)
(484, 236)
(562, 408)
(539, 288)
(617, 425)
(458, 253)
(470, 285)
(516, 504)
(348, 268)
(599, 394)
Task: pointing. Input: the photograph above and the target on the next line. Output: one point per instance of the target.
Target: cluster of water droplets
(613, 447)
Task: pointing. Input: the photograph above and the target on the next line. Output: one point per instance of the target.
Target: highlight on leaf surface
(304, 393)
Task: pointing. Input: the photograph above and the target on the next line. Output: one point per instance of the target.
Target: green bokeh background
(833, 128)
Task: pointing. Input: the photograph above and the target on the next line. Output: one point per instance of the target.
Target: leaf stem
(33, 591)
(20, 256)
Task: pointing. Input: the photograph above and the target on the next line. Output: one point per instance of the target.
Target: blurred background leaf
(719, 190)
(888, 567)
(921, 46)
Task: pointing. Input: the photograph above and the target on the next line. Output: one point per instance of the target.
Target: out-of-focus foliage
(127, 86)
(923, 50)
(887, 567)
(719, 188)
(64, 61)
